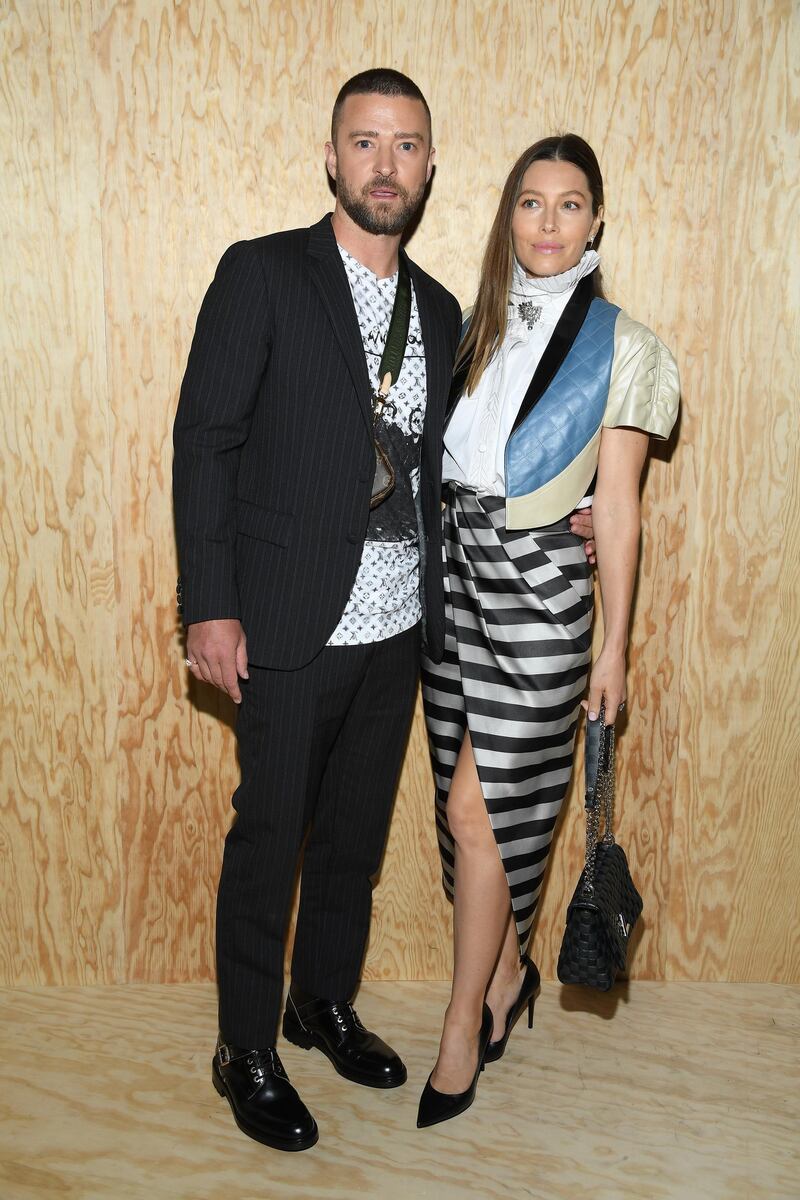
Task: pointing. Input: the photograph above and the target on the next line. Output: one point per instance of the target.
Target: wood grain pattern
(140, 139)
(61, 870)
(697, 1113)
(736, 833)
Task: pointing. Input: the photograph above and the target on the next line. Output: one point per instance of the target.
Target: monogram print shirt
(385, 597)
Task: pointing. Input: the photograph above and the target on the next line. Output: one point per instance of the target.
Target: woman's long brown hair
(488, 322)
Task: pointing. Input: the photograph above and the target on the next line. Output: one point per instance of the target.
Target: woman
(556, 393)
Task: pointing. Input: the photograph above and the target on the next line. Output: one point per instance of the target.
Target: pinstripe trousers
(320, 752)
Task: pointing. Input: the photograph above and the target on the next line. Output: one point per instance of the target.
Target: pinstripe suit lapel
(438, 367)
(330, 278)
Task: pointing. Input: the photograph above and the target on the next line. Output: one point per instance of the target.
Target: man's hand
(217, 653)
(581, 523)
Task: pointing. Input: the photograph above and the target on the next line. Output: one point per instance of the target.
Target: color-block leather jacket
(600, 369)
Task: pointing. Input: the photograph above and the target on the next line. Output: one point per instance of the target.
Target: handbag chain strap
(603, 798)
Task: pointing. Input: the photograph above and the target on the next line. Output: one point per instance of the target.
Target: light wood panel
(60, 851)
(146, 136)
(735, 840)
(692, 1112)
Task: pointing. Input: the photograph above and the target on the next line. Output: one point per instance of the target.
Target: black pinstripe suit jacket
(273, 458)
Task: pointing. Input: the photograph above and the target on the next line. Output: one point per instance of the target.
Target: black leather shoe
(441, 1106)
(527, 995)
(265, 1106)
(334, 1028)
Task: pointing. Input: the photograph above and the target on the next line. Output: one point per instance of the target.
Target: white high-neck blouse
(475, 439)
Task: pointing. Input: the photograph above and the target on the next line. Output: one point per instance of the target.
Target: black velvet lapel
(558, 347)
(437, 366)
(328, 273)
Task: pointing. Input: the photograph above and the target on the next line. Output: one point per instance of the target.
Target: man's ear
(330, 159)
(431, 162)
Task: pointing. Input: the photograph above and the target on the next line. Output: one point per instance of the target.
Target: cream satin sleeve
(644, 390)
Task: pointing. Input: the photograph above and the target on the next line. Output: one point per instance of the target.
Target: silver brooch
(529, 312)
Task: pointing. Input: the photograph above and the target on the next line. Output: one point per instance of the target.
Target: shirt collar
(540, 287)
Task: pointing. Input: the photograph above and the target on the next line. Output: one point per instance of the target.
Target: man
(304, 603)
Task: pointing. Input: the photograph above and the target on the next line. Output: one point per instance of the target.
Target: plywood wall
(139, 140)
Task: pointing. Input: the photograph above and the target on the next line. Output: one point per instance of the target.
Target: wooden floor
(673, 1090)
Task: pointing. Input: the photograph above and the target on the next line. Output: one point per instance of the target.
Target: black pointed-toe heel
(434, 1106)
(527, 995)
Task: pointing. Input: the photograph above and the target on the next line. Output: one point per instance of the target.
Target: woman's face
(553, 218)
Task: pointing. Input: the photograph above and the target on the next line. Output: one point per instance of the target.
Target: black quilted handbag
(606, 904)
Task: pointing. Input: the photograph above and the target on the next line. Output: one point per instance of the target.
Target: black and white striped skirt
(516, 660)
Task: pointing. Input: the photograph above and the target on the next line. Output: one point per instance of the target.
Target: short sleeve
(644, 390)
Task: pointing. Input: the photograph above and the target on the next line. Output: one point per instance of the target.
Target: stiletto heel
(441, 1106)
(527, 995)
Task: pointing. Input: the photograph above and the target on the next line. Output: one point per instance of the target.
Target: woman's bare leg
(481, 914)
(506, 981)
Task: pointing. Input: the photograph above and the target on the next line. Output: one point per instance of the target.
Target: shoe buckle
(224, 1054)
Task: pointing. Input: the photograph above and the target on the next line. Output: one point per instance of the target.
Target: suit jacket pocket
(256, 522)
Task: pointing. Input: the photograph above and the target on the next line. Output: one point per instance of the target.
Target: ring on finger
(190, 662)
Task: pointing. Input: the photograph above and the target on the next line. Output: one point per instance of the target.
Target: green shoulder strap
(395, 347)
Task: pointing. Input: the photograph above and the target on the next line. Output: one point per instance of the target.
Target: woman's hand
(606, 686)
(580, 523)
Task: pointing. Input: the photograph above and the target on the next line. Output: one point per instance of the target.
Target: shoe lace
(344, 1013)
(260, 1062)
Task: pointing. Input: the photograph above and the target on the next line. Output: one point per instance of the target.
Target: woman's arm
(617, 527)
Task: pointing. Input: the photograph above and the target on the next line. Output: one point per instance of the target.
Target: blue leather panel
(571, 410)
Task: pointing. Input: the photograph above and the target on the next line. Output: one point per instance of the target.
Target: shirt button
(482, 447)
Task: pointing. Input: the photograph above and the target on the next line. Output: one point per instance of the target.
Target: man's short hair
(381, 81)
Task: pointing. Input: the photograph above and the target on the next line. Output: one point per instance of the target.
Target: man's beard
(379, 217)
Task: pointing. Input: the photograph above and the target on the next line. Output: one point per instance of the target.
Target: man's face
(382, 161)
